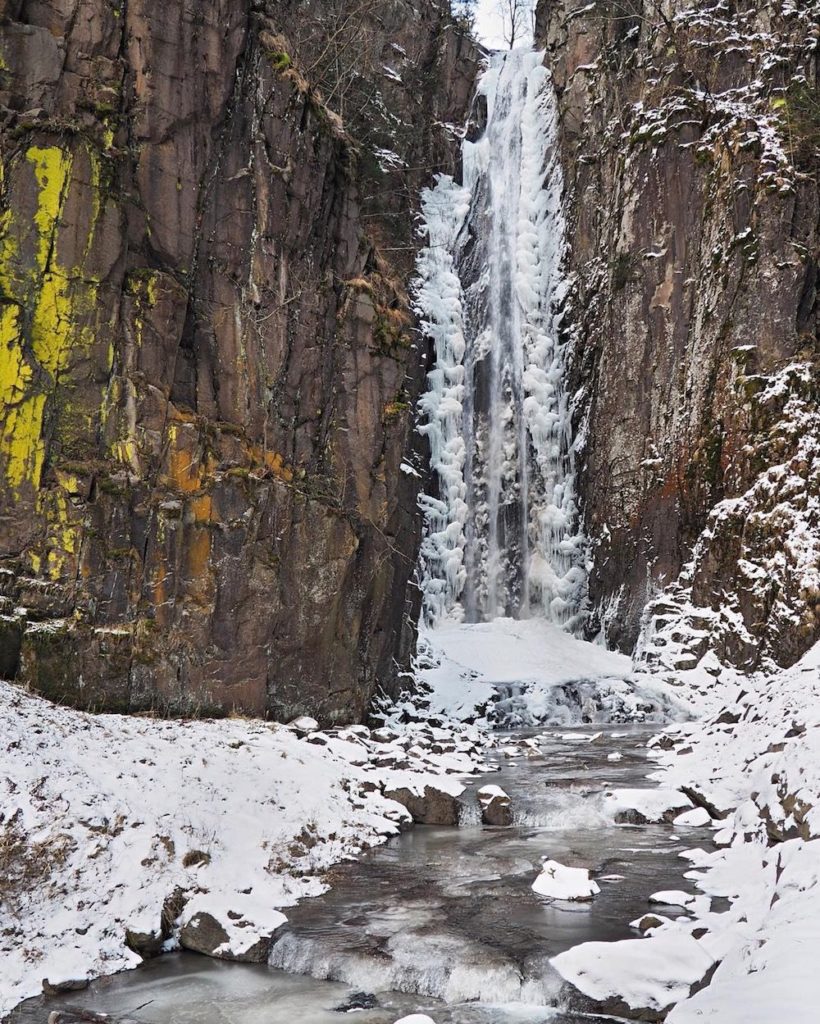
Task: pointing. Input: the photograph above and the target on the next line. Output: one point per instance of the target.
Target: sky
(489, 26)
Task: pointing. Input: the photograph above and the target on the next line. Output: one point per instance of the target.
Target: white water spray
(502, 534)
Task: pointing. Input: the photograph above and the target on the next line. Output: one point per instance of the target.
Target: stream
(440, 921)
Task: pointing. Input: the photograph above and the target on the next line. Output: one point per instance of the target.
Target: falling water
(502, 534)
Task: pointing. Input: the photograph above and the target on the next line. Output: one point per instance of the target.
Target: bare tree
(518, 18)
(464, 12)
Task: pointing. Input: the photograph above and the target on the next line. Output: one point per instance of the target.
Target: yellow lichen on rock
(32, 278)
(22, 441)
(64, 537)
(52, 168)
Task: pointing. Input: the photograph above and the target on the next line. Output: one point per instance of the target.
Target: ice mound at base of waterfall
(518, 672)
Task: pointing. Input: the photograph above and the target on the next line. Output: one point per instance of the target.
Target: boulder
(496, 807)
(634, 979)
(431, 807)
(147, 944)
(203, 933)
(356, 1002)
(53, 988)
(304, 725)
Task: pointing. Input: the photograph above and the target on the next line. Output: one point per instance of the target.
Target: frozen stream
(445, 915)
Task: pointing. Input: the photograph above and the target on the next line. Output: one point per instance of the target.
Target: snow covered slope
(119, 830)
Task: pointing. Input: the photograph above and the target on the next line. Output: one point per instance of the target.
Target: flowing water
(439, 920)
(502, 533)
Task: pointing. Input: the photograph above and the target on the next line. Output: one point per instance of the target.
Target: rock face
(207, 363)
(690, 149)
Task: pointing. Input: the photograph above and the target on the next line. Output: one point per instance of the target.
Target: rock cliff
(690, 141)
(207, 361)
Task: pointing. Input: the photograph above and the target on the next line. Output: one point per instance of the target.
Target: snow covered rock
(648, 923)
(427, 805)
(496, 807)
(562, 883)
(697, 817)
(636, 978)
(646, 806)
(303, 726)
(229, 934)
(416, 1018)
(678, 898)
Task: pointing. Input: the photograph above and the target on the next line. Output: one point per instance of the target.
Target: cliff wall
(691, 142)
(207, 360)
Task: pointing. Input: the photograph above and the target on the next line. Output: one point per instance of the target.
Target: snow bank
(126, 830)
(752, 765)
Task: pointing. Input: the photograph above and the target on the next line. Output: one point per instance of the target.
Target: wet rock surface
(210, 366)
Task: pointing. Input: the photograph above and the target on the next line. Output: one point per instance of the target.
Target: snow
(645, 973)
(564, 883)
(754, 754)
(105, 816)
(512, 650)
(468, 661)
(521, 672)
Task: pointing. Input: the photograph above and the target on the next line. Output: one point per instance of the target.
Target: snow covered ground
(744, 755)
(752, 763)
(120, 830)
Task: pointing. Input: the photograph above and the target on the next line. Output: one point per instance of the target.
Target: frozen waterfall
(501, 534)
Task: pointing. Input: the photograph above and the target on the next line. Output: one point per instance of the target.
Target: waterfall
(501, 534)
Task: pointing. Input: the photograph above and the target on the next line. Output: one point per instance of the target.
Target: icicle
(501, 536)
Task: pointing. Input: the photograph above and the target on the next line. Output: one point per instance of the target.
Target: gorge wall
(690, 141)
(207, 364)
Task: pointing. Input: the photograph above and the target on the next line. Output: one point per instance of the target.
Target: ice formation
(502, 534)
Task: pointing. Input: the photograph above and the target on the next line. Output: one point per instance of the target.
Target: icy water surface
(440, 920)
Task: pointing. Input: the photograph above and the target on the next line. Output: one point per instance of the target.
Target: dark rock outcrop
(205, 934)
(430, 807)
(690, 144)
(207, 363)
(496, 806)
